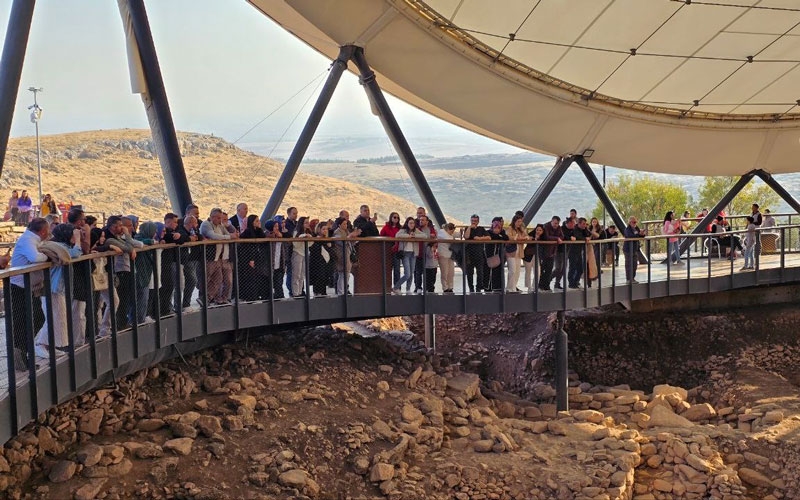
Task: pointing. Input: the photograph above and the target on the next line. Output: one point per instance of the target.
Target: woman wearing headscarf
(342, 251)
(64, 246)
(145, 262)
(496, 234)
(253, 281)
(320, 261)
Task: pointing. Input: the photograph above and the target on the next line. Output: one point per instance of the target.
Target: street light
(36, 115)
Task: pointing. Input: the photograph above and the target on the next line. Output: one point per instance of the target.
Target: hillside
(115, 171)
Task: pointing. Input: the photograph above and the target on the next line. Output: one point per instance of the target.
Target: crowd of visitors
(319, 260)
(21, 208)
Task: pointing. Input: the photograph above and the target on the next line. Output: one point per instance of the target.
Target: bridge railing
(71, 327)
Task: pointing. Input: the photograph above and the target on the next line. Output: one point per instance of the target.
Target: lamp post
(36, 115)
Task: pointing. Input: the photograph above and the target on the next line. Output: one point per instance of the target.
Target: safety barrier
(72, 327)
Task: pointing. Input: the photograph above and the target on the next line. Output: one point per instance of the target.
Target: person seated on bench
(732, 241)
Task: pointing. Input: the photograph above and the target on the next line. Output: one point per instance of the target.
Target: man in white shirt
(214, 229)
(26, 252)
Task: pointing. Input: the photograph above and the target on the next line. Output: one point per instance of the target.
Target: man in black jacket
(576, 253)
(168, 263)
(190, 258)
(366, 223)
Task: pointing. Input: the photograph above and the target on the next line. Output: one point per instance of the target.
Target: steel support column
(780, 190)
(158, 112)
(293, 163)
(721, 204)
(562, 364)
(430, 331)
(16, 42)
(605, 200)
(396, 136)
(546, 187)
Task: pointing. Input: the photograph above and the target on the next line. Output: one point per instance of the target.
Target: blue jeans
(675, 251)
(409, 262)
(750, 256)
(397, 261)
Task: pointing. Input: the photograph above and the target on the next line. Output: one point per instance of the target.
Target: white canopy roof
(704, 87)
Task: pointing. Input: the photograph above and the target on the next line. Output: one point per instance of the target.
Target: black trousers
(475, 265)
(277, 283)
(167, 290)
(419, 268)
(430, 279)
(547, 272)
(18, 321)
(125, 293)
(559, 270)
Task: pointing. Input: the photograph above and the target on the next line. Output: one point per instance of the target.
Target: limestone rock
(148, 450)
(464, 385)
(90, 421)
(664, 389)
(150, 424)
(381, 472)
(294, 478)
(592, 416)
(181, 446)
(89, 454)
(754, 478)
(90, 490)
(120, 469)
(696, 413)
(62, 471)
(243, 400)
(773, 417)
(183, 430)
(662, 417)
(208, 425)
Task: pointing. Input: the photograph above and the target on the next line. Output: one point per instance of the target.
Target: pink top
(671, 227)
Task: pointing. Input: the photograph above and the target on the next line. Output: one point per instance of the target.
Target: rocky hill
(115, 171)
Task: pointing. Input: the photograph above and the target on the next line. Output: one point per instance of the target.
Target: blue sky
(225, 67)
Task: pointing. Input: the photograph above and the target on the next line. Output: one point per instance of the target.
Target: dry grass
(114, 172)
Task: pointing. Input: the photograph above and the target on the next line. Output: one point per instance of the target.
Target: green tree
(646, 197)
(714, 188)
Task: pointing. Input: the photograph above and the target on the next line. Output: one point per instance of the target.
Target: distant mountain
(115, 171)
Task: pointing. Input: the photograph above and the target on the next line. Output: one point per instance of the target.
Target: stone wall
(670, 347)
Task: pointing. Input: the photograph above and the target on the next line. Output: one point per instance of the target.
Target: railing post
(10, 354)
(91, 318)
(178, 292)
(69, 279)
(562, 365)
(430, 331)
(29, 340)
(235, 285)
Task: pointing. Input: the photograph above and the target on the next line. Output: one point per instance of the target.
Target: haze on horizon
(225, 67)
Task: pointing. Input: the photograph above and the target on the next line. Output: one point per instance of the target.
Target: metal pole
(546, 187)
(301, 146)
(721, 204)
(16, 42)
(399, 142)
(156, 105)
(604, 199)
(35, 115)
(562, 365)
(430, 331)
(780, 190)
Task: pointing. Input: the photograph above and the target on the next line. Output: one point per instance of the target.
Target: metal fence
(70, 327)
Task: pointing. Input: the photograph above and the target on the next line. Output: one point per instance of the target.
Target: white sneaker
(148, 320)
(41, 351)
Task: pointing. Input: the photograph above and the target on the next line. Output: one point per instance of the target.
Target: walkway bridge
(464, 80)
(255, 307)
